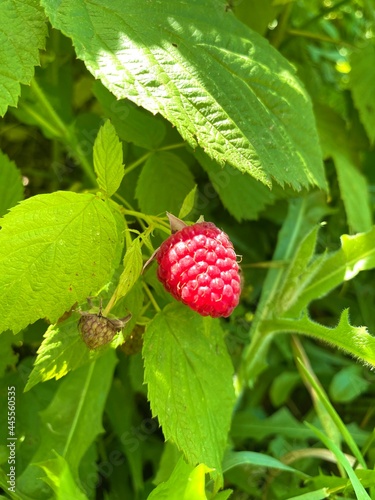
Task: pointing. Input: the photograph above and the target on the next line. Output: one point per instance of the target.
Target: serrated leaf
(185, 482)
(22, 34)
(357, 254)
(55, 250)
(242, 195)
(73, 419)
(133, 263)
(11, 187)
(186, 367)
(165, 180)
(8, 356)
(132, 124)
(188, 203)
(362, 77)
(352, 339)
(108, 159)
(59, 478)
(248, 115)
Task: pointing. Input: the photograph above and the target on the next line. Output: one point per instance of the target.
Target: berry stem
(151, 297)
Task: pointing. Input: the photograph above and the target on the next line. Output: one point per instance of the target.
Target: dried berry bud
(97, 330)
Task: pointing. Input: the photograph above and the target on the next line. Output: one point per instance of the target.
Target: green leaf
(236, 458)
(362, 77)
(132, 124)
(11, 187)
(59, 478)
(247, 425)
(354, 190)
(320, 494)
(298, 274)
(108, 159)
(357, 254)
(22, 34)
(8, 356)
(184, 483)
(166, 66)
(188, 203)
(73, 419)
(186, 367)
(282, 387)
(243, 196)
(348, 384)
(133, 263)
(55, 250)
(165, 180)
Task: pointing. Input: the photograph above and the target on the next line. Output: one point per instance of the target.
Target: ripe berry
(198, 266)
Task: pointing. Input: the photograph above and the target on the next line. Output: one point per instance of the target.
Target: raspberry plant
(256, 115)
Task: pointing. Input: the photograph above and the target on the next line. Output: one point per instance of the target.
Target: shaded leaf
(11, 187)
(362, 77)
(132, 124)
(165, 180)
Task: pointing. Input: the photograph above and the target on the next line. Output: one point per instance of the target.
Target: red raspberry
(198, 266)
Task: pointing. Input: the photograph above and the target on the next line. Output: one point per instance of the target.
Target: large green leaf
(11, 187)
(55, 250)
(22, 34)
(221, 84)
(73, 420)
(362, 79)
(186, 367)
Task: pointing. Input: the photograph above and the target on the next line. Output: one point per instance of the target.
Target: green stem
(319, 37)
(138, 162)
(151, 297)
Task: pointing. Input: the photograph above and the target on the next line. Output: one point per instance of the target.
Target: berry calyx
(198, 266)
